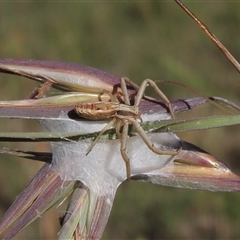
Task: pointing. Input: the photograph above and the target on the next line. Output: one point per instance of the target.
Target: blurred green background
(137, 39)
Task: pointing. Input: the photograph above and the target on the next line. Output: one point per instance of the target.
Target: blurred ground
(150, 39)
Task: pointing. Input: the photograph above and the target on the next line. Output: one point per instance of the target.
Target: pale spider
(122, 115)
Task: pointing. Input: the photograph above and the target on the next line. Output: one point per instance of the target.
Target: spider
(123, 115)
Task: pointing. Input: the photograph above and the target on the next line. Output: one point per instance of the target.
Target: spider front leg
(141, 89)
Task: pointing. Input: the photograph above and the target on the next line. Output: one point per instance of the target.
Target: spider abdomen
(97, 110)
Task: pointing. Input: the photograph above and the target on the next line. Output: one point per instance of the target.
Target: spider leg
(131, 83)
(109, 125)
(125, 91)
(140, 92)
(142, 88)
(123, 142)
(40, 91)
(148, 142)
